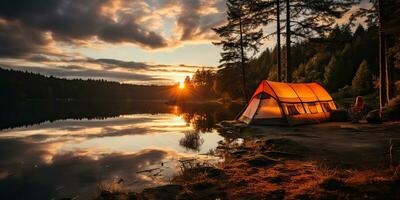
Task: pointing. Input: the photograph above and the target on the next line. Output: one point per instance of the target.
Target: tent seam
(279, 101)
(317, 97)
(301, 101)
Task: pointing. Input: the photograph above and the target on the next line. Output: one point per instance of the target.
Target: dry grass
(108, 191)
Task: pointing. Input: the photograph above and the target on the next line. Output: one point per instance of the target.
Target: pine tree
(339, 72)
(314, 69)
(238, 37)
(362, 81)
(308, 18)
(266, 12)
(304, 19)
(330, 74)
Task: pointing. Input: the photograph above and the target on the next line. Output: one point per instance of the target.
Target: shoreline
(276, 163)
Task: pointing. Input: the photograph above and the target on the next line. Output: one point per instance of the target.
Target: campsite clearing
(339, 144)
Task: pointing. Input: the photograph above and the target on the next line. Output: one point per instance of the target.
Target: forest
(344, 58)
(345, 63)
(18, 85)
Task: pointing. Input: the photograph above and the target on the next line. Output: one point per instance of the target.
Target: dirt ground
(340, 144)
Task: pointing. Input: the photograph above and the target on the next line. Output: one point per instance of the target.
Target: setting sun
(181, 85)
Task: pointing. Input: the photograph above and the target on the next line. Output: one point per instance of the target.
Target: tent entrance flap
(251, 109)
(268, 108)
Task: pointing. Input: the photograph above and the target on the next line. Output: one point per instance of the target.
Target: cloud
(74, 21)
(17, 40)
(113, 63)
(104, 68)
(40, 36)
(198, 17)
(28, 26)
(76, 71)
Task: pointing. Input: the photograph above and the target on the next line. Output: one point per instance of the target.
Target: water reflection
(76, 147)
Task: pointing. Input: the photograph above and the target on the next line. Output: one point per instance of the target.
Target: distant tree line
(18, 85)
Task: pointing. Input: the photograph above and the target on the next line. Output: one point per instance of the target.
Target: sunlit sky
(130, 41)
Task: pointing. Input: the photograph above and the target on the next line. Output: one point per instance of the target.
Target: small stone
(374, 117)
(261, 161)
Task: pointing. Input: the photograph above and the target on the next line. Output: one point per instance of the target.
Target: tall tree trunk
(383, 97)
(288, 67)
(389, 75)
(278, 38)
(242, 55)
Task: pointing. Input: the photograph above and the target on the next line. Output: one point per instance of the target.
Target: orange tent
(275, 103)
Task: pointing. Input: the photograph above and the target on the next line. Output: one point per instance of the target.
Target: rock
(392, 110)
(107, 195)
(261, 161)
(334, 184)
(240, 152)
(231, 127)
(279, 179)
(276, 194)
(282, 155)
(284, 145)
(132, 196)
(202, 186)
(374, 117)
(162, 192)
(339, 115)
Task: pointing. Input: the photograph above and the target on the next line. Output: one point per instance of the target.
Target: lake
(52, 150)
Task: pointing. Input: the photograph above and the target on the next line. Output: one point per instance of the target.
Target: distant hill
(18, 85)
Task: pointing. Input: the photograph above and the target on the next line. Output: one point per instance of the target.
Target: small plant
(192, 141)
(109, 190)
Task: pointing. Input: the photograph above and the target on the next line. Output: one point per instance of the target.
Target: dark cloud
(113, 63)
(74, 21)
(189, 19)
(195, 21)
(70, 20)
(16, 40)
(131, 65)
(106, 63)
(39, 58)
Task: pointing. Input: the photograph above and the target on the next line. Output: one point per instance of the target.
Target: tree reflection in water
(202, 118)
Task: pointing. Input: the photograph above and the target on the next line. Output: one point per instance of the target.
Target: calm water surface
(67, 150)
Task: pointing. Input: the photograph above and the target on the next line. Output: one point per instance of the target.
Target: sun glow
(181, 85)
